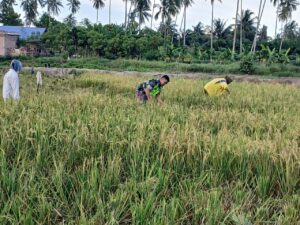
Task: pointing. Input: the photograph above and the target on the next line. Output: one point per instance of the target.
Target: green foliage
(247, 64)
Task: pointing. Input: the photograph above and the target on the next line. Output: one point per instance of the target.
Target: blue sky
(199, 11)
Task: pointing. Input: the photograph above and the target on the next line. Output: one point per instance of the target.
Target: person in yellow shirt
(217, 86)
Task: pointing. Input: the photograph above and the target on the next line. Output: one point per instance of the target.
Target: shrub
(246, 64)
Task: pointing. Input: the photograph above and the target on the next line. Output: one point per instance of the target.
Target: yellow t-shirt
(216, 87)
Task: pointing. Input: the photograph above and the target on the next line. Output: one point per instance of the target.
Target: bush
(246, 64)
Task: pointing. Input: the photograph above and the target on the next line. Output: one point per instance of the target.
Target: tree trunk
(152, 13)
(212, 30)
(276, 23)
(109, 12)
(129, 14)
(282, 37)
(97, 16)
(235, 29)
(125, 13)
(241, 29)
(260, 13)
(184, 26)
(140, 21)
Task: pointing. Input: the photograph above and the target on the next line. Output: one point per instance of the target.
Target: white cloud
(199, 11)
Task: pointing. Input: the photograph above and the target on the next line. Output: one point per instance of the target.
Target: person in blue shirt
(151, 89)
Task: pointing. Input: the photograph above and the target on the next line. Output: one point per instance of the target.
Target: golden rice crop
(83, 151)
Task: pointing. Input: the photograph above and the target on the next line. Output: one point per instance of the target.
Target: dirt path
(239, 78)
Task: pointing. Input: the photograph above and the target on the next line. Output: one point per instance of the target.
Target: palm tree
(152, 15)
(53, 7)
(97, 4)
(109, 21)
(30, 9)
(70, 21)
(246, 23)
(260, 13)
(186, 3)
(276, 3)
(221, 31)
(142, 8)
(125, 22)
(235, 26)
(74, 5)
(286, 9)
(241, 30)
(212, 27)
(167, 9)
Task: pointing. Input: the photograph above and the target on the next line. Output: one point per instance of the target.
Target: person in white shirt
(39, 81)
(11, 81)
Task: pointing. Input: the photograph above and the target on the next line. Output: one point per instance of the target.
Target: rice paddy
(83, 151)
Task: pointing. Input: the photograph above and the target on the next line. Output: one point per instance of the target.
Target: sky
(199, 11)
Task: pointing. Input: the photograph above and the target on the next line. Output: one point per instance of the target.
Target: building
(8, 43)
(26, 33)
(30, 36)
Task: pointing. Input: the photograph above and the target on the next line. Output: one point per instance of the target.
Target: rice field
(83, 151)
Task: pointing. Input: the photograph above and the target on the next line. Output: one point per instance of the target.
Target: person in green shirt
(151, 89)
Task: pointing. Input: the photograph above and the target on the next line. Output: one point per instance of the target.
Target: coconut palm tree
(186, 3)
(74, 5)
(241, 30)
(276, 4)
(97, 4)
(109, 12)
(235, 28)
(260, 13)
(221, 31)
(126, 3)
(246, 23)
(53, 7)
(142, 8)
(212, 27)
(167, 9)
(286, 9)
(30, 9)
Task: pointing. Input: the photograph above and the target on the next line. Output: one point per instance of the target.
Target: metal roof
(24, 32)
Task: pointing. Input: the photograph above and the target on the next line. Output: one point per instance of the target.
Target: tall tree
(142, 8)
(260, 13)
(8, 16)
(74, 5)
(152, 14)
(167, 9)
(53, 7)
(186, 3)
(126, 3)
(70, 21)
(109, 12)
(97, 4)
(212, 27)
(221, 31)
(286, 9)
(30, 9)
(235, 28)
(247, 22)
(276, 3)
(241, 30)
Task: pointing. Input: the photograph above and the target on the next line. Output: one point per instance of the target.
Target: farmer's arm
(158, 98)
(147, 91)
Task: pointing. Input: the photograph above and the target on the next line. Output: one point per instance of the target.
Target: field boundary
(62, 72)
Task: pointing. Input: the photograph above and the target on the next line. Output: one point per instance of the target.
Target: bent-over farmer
(217, 86)
(151, 89)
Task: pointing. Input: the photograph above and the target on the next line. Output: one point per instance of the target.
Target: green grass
(84, 152)
(276, 70)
